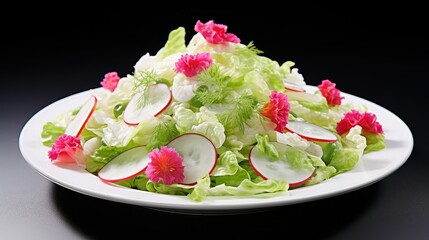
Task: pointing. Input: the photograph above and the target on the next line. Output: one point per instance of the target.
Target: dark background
(377, 53)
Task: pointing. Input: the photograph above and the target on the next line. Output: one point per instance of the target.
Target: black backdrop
(378, 53)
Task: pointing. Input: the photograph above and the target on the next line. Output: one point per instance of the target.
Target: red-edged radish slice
(293, 87)
(311, 131)
(198, 153)
(159, 98)
(126, 165)
(76, 125)
(278, 169)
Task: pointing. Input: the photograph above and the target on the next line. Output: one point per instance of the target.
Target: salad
(212, 117)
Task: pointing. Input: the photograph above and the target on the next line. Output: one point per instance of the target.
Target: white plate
(372, 168)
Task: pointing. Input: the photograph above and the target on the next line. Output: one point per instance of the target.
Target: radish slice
(75, 127)
(293, 87)
(126, 165)
(311, 131)
(278, 169)
(159, 98)
(198, 153)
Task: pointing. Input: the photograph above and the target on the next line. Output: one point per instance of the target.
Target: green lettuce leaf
(314, 102)
(350, 152)
(255, 82)
(208, 125)
(227, 164)
(296, 141)
(286, 68)
(140, 182)
(247, 188)
(254, 177)
(256, 125)
(354, 139)
(327, 119)
(184, 117)
(53, 129)
(173, 189)
(50, 133)
(345, 159)
(321, 174)
(298, 158)
(265, 147)
(203, 122)
(86, 134)
(374, 141)
(231, 180)
(199, 193)
(175, 44)
(329, 150)
(101, 157)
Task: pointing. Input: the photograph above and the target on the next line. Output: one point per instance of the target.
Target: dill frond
(205, 96)
(243, 110)
(249, 50)
(214, 88)
(163, 133)
(213, 76)
(251, 47)
(142, 81)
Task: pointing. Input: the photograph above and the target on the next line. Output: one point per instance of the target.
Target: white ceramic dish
(372, 168)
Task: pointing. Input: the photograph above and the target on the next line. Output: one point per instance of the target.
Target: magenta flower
(110, 81)
(67, 149)
(277, 110)
(368, 122)
(215, 33)
(191, 65)
(166, 166)
(332, 94)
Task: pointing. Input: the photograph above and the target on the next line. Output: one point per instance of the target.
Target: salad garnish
(213, 117)
(368, 122)
(330, 92)
(277, 110)
(110, 81)
(191, 65)
(215, 33)
(166, 165)
(67, 149)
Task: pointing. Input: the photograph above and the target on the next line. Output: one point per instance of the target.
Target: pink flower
(191, 65)
(67, 149)
(110, 81)
(215, 33)
(166, 165)
(277, 110)
(368, 122)
(332, 94)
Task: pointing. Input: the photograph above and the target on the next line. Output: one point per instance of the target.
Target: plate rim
(184, 204)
